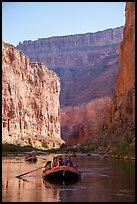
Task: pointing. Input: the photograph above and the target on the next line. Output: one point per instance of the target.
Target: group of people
(59, 161)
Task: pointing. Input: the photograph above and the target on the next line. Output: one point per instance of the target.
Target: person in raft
(55, 162)
(68, 162)
(48, 165)
(61, 160)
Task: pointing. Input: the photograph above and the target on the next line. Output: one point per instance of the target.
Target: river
(102, 180)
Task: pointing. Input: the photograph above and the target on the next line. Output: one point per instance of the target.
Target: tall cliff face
(123, 106)
(125, 80)
(30, 101)
(87, 65)
(120, 116)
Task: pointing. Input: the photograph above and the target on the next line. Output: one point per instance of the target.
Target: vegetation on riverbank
(120, 150)
(15, 149)
(124, 151)
(8, 149)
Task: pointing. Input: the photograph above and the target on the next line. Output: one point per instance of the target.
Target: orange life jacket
(68, 164)
(54, 164)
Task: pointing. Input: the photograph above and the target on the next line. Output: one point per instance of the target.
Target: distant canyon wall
(83, 122)
(30, 101)
(87, 65)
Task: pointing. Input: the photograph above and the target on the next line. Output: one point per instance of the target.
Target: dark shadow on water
(52, 183)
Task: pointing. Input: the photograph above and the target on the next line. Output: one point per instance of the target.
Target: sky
(32, 20)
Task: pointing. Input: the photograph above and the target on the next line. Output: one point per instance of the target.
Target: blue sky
(32, 20)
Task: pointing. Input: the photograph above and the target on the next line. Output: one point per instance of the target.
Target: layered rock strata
(30, 101)
(87, 65)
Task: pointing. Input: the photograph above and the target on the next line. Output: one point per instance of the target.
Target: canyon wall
(120, 116)
(115, 121)
(30, 101)
(87, 65)
(83, 122)
(123, 105)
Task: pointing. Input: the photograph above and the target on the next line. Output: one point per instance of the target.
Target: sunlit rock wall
(30, 101)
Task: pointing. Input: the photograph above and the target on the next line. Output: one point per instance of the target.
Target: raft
(61, 172)
(31, 159)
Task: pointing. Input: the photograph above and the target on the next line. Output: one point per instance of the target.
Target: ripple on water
(85, 174)
(68, 189)
(103, 175)
(123, 192)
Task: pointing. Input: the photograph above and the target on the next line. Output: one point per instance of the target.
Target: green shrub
(42, 148)
(24, 145)
(51, 149)
(124, 150)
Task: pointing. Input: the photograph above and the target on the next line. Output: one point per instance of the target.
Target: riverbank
(11, 149)
(117, 153)
(121, 152)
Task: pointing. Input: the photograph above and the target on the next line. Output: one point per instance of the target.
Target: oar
(29, 172)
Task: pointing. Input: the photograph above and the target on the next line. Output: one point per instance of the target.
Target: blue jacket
(66, 162)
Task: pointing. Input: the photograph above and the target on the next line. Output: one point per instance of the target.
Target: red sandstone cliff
(123, 106)
(30, 101)
(120, 116)
(80, 123)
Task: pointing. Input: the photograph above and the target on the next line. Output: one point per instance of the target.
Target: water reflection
(102, 180)
(58, 183)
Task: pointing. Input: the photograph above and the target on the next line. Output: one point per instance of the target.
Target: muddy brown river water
(102, 180)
